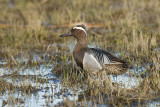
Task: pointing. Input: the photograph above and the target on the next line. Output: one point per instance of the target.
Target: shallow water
(126, 81)
(50, 92)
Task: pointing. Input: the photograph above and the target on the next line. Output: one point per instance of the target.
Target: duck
(94, 60)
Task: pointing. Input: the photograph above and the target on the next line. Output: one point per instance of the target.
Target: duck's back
(96, 60)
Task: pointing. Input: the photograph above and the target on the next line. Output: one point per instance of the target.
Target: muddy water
(50, 91)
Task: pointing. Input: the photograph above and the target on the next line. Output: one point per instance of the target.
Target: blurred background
(36, 64)
(119, 17)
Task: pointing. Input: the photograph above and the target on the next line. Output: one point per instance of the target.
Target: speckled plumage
(94, 60)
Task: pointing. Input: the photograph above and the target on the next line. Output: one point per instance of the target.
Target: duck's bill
(66, 34)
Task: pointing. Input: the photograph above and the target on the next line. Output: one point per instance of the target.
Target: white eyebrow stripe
(80, 28)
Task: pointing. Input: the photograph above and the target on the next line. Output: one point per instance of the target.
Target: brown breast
(79, 52)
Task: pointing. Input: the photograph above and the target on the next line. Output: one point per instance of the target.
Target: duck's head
(77, 32)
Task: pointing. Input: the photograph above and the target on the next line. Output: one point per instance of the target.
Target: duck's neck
(81, 45)
(78, 53)
(82, 41)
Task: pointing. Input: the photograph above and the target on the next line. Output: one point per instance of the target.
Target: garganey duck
(94, 60)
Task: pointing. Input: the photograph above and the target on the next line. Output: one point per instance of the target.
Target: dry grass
(130, 28)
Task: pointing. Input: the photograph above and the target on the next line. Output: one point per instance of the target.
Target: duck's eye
(72, 30)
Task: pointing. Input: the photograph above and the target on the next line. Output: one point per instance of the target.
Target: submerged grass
(129, 29)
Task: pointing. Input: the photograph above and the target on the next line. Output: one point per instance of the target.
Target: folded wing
(104, 57)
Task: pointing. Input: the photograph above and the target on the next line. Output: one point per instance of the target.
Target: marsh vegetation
(37, 67)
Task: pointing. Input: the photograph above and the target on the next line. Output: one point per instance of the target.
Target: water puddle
(50, 91)
(155, 103)
(126, 81)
